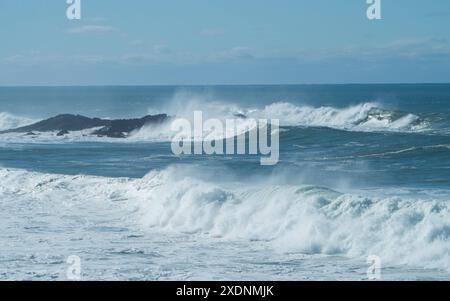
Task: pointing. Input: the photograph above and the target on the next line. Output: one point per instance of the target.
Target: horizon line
(219, 85)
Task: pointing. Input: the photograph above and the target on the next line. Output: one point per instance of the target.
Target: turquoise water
(364, 170)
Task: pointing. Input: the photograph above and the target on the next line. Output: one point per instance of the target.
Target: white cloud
(239, 52)
(412, 48)
(424, 50)
(95, 19)
(90, 29)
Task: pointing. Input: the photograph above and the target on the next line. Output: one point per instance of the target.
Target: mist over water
(363, 171)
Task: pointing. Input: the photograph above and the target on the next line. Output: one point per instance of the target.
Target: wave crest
(306, 219)
(362, 117)
(367, 117)
(10, 121)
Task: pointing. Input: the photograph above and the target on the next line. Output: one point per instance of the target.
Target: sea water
(364, 170)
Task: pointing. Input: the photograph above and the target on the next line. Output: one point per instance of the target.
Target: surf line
(209, 136)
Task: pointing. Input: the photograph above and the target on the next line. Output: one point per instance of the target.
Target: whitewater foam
(10, 121)
(304, 219)
(361, 117)
(366, 117)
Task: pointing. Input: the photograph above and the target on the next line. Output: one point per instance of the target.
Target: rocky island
(113, 128)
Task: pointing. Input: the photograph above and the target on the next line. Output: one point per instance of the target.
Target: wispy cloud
(409, 49)
(90, 29)
(416, 50)
(95, 19)
(238, 52)
(212, 32)
(152, 48)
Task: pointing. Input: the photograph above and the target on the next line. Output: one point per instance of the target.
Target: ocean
(364, 171)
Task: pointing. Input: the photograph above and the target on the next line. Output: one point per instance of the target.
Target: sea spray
(10, 121)
(209, 137)
(293, 218)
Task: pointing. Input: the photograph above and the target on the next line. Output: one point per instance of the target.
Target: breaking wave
(364, 117)
(361, 117)
(304, 219)
(10, 121)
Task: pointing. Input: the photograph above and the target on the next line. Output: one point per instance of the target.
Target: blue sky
(185, 42)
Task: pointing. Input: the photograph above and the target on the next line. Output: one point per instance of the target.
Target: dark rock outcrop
(120, 128)
(66, 122)
(240, 115)
(123, 127)
(62, 133)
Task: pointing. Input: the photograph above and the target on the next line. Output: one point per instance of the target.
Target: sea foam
(292, 218)
(364, 117)
(10, 121)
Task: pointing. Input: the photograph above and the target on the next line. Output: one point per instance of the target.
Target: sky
(209, 42)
